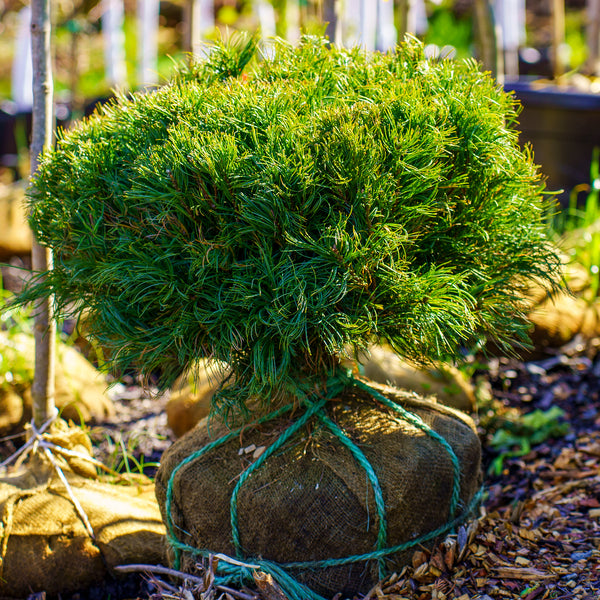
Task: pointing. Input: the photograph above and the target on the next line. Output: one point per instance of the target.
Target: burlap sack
(558, 319)
(80, 389)
(191, 397)
(44, 546)
(313, 501)
(15, 235)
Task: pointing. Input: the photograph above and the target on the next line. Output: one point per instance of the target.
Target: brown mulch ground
(539, 536)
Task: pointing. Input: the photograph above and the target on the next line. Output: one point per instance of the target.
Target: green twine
(172, 538)
(298, 591)
(284, 437)
(418, 422)
(374, 481)
(315, 404)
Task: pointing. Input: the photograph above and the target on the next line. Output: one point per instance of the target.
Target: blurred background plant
(14, 321)
(103, 45)
(576, 229)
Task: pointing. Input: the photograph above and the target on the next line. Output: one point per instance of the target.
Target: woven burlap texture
(45, 546)
(313, 501)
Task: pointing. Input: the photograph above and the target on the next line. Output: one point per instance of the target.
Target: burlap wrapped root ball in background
(81, 391)
(312, 500)
(191, 397)
(48, 548)
(45, 546)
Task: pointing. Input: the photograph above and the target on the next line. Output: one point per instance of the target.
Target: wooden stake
(558, 36)
(487, 38)
(593, 37)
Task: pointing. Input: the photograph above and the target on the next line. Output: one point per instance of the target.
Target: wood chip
(258, 452)
(249, 449)
(268, 588)
(522, 573)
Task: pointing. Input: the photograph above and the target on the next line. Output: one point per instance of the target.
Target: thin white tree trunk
(367, 23)
(593, 37)
(292, 10)
(416, 20)
(510, 16)
(147, 27)
(113, 19)
(21, 87)
(266, 18)
(42, 389)
(357, 23)
(351, 18)
(201, 21)
(387, 36)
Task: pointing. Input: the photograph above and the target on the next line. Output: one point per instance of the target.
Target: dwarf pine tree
(271, 213)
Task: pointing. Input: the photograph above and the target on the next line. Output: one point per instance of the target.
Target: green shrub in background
(575, 229)
(269, 213)
(14, 322)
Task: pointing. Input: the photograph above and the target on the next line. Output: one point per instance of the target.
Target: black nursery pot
(563, 127)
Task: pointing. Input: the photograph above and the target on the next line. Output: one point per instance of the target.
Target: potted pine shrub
(270, 214)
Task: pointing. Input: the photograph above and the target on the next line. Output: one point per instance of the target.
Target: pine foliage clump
(270, 213)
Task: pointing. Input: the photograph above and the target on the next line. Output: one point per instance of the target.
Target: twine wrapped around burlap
(44, 545)
(331, 496)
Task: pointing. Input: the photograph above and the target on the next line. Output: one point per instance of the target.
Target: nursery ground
(539, 534)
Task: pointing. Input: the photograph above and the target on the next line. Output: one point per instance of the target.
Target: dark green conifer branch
(271, 217)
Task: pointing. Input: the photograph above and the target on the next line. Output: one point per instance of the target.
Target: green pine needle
(271, 217)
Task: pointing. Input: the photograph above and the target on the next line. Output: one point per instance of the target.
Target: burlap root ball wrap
(313, 500)
(44, 545)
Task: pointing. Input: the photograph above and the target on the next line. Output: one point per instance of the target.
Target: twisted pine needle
(269, 214)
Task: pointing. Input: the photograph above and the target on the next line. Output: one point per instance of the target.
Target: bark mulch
(539, 534)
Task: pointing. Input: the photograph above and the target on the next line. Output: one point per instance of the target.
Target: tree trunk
(387, 35)
(292, 20)
(368, 24)
(113, 19)
(20, 79)
(403, 7)
(593, 37)
(330, 18)
(266, 18)
(199, 19)
(42, 389)
(486, 38)
(147, 28)
(558, 37)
